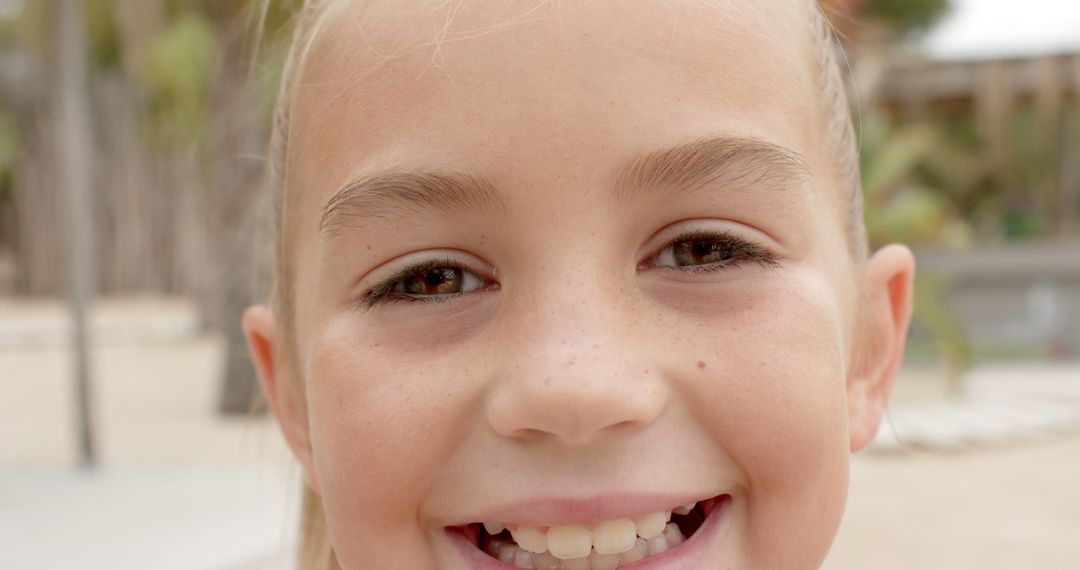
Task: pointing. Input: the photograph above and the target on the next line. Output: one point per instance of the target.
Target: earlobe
(277, 376)
(889, 284)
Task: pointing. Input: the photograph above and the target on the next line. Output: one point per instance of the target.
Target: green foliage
(933, 314)
(9, 141)
(1032, 161)
(103, 34)
(9, 149)
(902, 204)
(909, 177)
(179, 67)
(910, 217)
(907, 16)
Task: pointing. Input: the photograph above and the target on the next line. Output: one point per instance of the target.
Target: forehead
(504, 86)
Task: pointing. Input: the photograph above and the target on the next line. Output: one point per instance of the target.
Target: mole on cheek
(701, 364)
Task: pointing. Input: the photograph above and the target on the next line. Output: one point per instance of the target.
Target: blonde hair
(316, 551)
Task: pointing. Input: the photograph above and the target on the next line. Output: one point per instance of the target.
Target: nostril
(574, 418)
(574, 397)
(625, 424)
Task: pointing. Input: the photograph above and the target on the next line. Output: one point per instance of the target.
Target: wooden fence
(994, 92)
(168, 220)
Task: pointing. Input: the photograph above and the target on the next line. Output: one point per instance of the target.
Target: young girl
(572, 284)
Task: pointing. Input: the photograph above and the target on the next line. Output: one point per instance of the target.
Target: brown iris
(439, 281)
(700, 252)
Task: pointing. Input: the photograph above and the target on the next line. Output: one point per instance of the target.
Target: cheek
(773, 397)
(380, 427)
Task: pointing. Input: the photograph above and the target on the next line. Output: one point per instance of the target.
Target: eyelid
(396, 265)
(707, 226)
(711, 226)
(382, 290)
(753, 250)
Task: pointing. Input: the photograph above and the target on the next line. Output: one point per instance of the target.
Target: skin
(588, 369)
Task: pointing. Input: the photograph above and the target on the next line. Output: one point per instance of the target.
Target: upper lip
(585, 511)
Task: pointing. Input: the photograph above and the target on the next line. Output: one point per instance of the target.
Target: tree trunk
(77, 176)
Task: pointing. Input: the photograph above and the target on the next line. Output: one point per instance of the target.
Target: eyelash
(743, 251)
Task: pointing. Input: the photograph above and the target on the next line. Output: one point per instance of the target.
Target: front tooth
(657, 544)
(673, 535)
(530, 538)
(599, 561)
(649, 526)
(546, 561)
(613, 537)
(567, 542)
(639, 551)
(494, 528)
(685, 509)
(576, 564)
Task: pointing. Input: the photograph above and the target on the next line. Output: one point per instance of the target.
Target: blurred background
(132, 165)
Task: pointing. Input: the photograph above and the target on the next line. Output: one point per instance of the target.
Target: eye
(434, 280)
(712, 251)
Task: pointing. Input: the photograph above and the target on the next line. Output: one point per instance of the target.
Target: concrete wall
(1018, 296)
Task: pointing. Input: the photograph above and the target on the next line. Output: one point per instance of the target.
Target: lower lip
(689, 554)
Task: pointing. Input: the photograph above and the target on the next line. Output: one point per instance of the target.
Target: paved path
(1001, 405)
(160, 519)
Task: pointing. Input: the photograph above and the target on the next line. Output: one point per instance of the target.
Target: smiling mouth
(607, 545)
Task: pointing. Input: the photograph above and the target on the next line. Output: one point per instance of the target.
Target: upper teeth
(684, 510)
(575, 541)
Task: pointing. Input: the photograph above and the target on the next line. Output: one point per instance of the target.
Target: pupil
(700, 252)
(434, 282)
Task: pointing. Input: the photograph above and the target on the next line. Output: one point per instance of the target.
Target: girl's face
(566, 265)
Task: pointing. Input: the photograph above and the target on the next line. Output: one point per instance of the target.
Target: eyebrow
(392, 193)
(731, 162)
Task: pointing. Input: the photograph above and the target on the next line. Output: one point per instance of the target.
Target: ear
(280, 384)
(879, 349)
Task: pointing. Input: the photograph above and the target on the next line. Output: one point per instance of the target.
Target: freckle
(646, 370)
(547, 380)
(701, 365)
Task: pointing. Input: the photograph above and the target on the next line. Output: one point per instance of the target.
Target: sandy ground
(989, 509)
(182, 488)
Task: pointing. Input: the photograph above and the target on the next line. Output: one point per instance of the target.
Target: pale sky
(988, 29)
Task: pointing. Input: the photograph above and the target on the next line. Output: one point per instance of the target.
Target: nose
(575, 375)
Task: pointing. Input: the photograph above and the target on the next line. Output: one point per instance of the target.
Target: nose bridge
(574, 367)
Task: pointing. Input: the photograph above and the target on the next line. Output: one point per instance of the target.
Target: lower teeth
(508, 552)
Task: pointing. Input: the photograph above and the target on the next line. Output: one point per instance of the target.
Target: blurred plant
(103, 35)
(902, 205)
(934, 315)
(905, 16)
(179, 67)
(913, 177)
(9, 145)
(1034, 168)
(9, 149)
